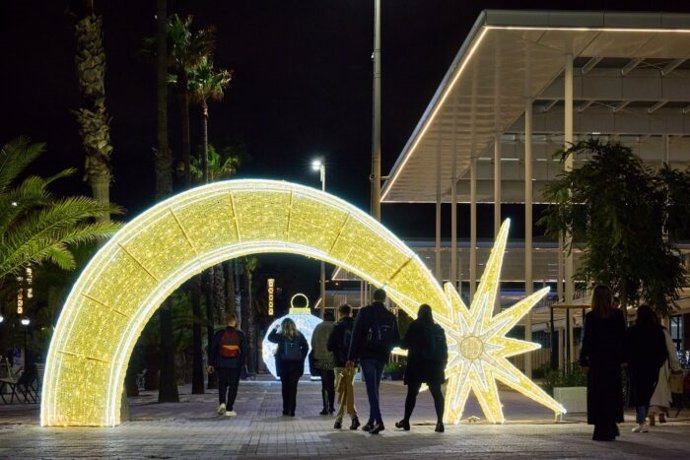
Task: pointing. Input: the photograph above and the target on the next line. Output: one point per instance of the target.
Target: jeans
(328, 388)
(228, 380)
(641, 413)
(372, 370)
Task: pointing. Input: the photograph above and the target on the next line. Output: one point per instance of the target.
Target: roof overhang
(631, 82)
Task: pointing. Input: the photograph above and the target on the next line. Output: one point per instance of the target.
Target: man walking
(374, 335)
(339, 343)
(324, 361)
(228, 354)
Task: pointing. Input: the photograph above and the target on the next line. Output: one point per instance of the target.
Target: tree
(249, 265)
(207, 84)
(617, 209)
(92, 117)
(36, 227)
(164, 187)
(188, 49)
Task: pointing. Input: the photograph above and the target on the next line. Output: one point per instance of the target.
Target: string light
(130, 276)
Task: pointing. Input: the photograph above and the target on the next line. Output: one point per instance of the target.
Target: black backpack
(436, 348)
(290, 350)
(344, 345)
(381, 333)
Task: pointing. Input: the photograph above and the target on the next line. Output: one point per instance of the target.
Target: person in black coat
(290, 354)
(426, 363)
(601, 358)
(646, 354)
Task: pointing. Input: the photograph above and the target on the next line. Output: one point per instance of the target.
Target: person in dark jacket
(290, 354)
(646, 354)
(426, 363)
(601, 358)
(339, 345)
(374, 335)
(324, 361)
(228, 355)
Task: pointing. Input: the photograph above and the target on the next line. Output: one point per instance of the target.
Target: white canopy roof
(631, 82)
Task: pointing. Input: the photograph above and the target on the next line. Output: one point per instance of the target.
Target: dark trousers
(228, 380)
(328, 388)
(372, 370)
(288, 381)
(411, 399)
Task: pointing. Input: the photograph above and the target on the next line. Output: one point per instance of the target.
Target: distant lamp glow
(25, 321)
(2, 318)
(316, 164)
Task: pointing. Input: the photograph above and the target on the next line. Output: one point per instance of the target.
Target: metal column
(473, 227)
(568, 140)
(529, 285)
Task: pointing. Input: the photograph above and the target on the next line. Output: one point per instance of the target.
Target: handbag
(675, 381)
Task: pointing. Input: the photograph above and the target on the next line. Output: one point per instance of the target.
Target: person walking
(339, 343)
(290, 354)
(601, 358)
(228, 355)
(646, 354)
(324, 361)
(661, 398)
(426, 363)
(374, 335)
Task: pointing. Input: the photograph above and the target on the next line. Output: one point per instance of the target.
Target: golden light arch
(150, 257)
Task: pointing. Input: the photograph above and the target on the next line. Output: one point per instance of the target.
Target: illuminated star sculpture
(478, 347)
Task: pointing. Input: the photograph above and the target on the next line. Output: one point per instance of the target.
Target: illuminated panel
(150, 257)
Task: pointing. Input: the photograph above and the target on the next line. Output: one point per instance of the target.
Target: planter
(574, 399)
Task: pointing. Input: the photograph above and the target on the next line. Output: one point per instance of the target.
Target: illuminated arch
(153, 255)
(150, 257)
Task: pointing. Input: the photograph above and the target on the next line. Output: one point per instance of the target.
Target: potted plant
(394, 370)
(568, 386)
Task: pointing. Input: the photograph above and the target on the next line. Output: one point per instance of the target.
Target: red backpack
(230, 344)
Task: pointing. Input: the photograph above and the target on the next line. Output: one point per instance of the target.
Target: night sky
(301, 87)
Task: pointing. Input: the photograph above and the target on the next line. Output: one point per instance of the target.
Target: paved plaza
(191, 429)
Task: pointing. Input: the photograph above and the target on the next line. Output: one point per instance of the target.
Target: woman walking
(646, 354)
(601, 357)
(290, 354)
(661, 398)
(426, 363)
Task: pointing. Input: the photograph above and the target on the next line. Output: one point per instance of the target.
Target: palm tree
(207, 84)
(187, 50)
(93, 117)
(35, 226)
(250, 264)
(164, 187)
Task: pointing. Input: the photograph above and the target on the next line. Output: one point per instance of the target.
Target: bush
(571, 376)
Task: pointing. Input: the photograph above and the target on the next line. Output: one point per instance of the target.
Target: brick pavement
(191, 429)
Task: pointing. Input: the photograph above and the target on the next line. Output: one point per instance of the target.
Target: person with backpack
(290, 354)
(228, 354)
(426, 363)
(339, 344)
(324, 361)
(374, 335)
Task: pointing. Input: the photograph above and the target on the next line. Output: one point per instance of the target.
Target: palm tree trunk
(251, 327)
(219, 291)
(92, 117)
(163, 163)
(197, 354)
(230, 289)
(208, 293)
(186, 142)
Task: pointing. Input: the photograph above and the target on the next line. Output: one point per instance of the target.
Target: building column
(568, 166)
(529, 285)
(437, 264)
(473, 227)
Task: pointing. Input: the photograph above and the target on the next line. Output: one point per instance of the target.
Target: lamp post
(320, 165)
(25, 321)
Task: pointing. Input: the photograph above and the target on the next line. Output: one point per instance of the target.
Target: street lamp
(25, 321)
(320, 165)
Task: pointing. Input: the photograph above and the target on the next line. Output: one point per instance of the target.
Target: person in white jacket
(661, 398)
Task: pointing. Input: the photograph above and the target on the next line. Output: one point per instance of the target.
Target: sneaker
(221, 409)
(368, 426)
(338, 424)
(640, 428)
(231, 413)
